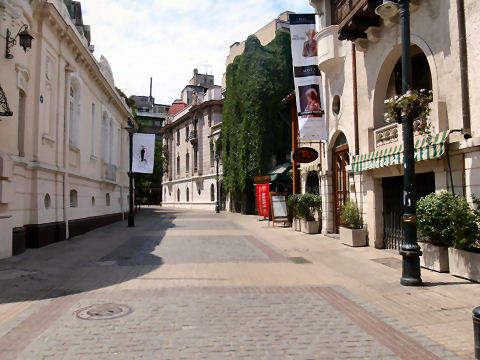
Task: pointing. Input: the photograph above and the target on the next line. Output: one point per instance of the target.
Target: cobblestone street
(191, 284)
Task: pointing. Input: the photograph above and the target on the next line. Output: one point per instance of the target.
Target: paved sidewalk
(191, 284)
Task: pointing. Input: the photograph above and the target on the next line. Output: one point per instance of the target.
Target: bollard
(476, 331)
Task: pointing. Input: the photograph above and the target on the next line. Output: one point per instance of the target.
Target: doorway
(341, 159)
(393, 205)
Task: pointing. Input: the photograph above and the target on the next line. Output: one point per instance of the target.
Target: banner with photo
(143, 153)
(311, 118)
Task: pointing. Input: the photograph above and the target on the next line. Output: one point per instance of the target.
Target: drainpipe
(66, 125)
(464, 84)
(355, 102)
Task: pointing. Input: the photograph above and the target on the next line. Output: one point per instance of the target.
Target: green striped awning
(426, 148)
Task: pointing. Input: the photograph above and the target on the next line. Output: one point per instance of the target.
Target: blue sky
(166, 39)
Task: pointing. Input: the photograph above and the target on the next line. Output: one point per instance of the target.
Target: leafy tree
(254, 128)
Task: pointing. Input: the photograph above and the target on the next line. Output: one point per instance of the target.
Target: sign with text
(278, 204)
(263, 200)
(143, 153)
(311, 119)
(305, 155)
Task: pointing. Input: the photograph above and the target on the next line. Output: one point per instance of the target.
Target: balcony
(354, 17)
(193, 137)
(331, 50)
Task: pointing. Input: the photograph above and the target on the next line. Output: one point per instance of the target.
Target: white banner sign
(143, 153)
(311, 119)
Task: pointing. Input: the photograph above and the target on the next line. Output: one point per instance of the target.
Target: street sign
(305, 155)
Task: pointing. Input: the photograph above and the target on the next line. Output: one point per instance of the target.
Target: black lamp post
(410, 250)
(217, 205)
(131, 216)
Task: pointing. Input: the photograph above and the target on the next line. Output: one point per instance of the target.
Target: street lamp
(131, 217)
(217, 206)
(410, 250)
(25, 40)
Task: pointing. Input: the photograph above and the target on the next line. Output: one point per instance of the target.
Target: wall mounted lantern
(25, 40)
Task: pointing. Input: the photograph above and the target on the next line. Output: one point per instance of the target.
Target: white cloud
(166, 39)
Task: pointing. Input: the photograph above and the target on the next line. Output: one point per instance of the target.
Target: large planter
(434, 257)
(465, 264)
(297, 224)
(353, 237)
(310, 227)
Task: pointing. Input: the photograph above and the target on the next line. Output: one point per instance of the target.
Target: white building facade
(63, 152)
(354, 161)
(190, 141)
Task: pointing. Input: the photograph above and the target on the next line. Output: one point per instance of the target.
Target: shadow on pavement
(100, 258)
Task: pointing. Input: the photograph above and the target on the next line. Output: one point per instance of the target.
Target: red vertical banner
(263, 200)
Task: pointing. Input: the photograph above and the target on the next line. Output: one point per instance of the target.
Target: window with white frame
(92, 132)
(74, 113)
(119, 147)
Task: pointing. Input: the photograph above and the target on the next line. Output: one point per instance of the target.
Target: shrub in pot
(352, 233)
(308, 206)
(447, 220)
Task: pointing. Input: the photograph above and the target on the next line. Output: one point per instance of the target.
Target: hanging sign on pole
(311, 119)
(143, 153)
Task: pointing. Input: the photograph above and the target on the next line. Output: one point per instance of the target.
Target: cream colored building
(189, 136)
(63, 155)
(436, 66)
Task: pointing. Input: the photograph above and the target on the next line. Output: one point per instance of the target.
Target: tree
(254, 128)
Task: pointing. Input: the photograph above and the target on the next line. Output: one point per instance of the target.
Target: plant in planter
(447, 220)
(308, 206)
(292, 202)
(414, 105)
(352, 233)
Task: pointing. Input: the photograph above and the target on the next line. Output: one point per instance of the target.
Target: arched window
(178, 195)
(188, 194)
(47, 201)
(421, 75)
(212, 192)
(313, 183)
(73, 198)
(107, 199)
(178, 165)
(187, 162)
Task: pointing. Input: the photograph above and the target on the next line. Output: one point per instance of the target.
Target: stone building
(63, 155)
(189, 136)
(357, 46)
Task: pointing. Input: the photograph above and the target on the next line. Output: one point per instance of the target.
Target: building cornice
(191, 109)
(83, 57)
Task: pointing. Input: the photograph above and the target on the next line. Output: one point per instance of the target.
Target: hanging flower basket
(414, 105)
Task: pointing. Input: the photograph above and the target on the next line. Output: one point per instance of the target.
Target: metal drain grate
(103, 311)
(299, 260)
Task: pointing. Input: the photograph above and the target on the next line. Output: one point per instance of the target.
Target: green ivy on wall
(256, 126)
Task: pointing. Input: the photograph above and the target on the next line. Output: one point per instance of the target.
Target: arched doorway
(312, 185)
(341, 159)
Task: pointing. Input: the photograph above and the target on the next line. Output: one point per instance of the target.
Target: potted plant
(450, 220)
(415, 105)
(352, 233)
(308, 207)
(292, 203)
(435, 229)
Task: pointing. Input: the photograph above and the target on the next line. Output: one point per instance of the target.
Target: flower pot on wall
(310, 227)
(434, 257)
(465, 264)
(353, 237)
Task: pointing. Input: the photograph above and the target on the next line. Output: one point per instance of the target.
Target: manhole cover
(103, 311)
(299, 260)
